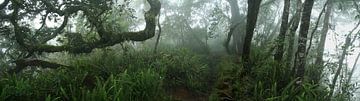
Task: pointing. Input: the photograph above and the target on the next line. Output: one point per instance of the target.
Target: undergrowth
(107, 74)
(268, 81)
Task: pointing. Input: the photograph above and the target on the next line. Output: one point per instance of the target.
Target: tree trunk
(353, 69)
(304, 27)
(284, 26)
(159, 34)
(341, 61)
(253, 11)
(325, 29)
(348, 43)
(320, 50)
(237, 22)
(316, 26)
(292, 32)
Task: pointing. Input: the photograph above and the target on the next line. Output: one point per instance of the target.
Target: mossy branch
(112, 39)
(109, 39)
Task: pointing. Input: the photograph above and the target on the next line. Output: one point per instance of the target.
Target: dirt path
(184, 94)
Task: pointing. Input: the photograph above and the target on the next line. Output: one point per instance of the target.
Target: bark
(317, 25)
(159, 34)
(268, 2)
(353, 69)
(269, 36)
(292, 32)
(320, 50)
(227, 41)
(356, 6)
(341, 61)
(348, 43)
(348, 80)
(284, 26)
(253, 11)
(237, 23)
(23, 63)
(4, 4)
(194, 37)
(304, 27)
(108, 38)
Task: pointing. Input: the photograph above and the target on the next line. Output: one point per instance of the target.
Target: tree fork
(85, 47)
(147, 33)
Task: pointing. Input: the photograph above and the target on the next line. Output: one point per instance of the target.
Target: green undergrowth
(268, 81)
(143, 75)
(109, 75)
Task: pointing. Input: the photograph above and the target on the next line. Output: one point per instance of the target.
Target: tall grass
(109, 75)
(269, 81)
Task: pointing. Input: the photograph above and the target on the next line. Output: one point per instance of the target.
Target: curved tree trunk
(107, 37)
(159, 34)
(237, 23)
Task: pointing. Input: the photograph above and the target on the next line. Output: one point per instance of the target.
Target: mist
(179, 50)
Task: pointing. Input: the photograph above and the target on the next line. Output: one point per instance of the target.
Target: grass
(269, 81)
(107, 74)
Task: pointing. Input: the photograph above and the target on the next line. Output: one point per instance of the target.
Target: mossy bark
(107, 38)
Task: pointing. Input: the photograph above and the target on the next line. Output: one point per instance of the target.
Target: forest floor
(185, 94)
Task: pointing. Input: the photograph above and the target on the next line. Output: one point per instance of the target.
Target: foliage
(270, 81)
(97, 43)
(108, 75)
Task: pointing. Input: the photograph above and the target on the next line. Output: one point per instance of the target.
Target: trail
(185, 94)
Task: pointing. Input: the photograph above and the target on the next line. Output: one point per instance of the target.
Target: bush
(109, 75)
(269, 81)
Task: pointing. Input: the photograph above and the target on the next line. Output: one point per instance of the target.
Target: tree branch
(356, 6)
(23, 63)
(228, 38)
(316, 26)
(4, 4)
(57, 31)
(115, 38)
(82, 47)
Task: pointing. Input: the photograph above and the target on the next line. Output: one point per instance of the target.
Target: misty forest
(179, 50)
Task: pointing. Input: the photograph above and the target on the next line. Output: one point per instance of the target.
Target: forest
(179, 50)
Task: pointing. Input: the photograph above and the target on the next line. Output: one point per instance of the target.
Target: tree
(304, 27)
(92, 10)
(292, 32)
(236, 29)
(189, 34)
(348, 80)
(323, 32)
(284, 26)
(346, 46)
(159, 34)
(253, 11)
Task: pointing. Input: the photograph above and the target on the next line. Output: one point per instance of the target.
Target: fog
(210, 29)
